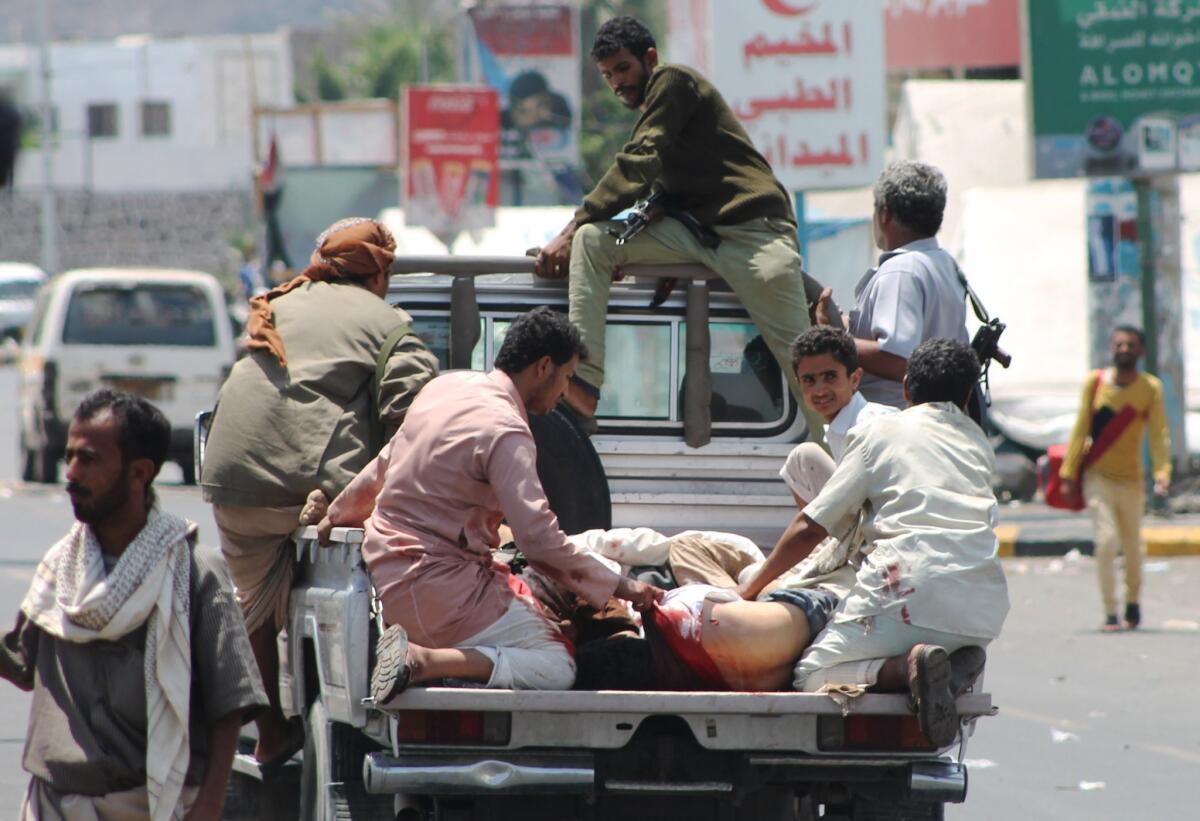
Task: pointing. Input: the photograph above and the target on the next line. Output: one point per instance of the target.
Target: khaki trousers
(258, 549)
(759, 259)
(696, 560)
(1116, 506)
(850, 654)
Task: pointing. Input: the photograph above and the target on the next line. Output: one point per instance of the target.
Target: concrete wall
(187, 230)
(210, 83)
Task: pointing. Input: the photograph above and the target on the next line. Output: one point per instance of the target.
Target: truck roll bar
(464, 320)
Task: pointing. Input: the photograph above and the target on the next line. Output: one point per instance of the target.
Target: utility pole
(49, 213)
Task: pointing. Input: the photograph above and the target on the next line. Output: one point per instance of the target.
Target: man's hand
(324, 529)
(822, 308)
(746, 590)
(554, 260)
(1162, 487)
(642, 596)
(315, 507)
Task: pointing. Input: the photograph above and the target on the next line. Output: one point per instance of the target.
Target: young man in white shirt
(826, 364)
(930, 583)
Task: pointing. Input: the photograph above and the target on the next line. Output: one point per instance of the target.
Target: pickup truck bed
(473, 753)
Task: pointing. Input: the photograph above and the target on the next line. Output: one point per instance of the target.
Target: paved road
(1091, 726)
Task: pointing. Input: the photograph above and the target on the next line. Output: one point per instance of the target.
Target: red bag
(1052, 484)
(1049, 465)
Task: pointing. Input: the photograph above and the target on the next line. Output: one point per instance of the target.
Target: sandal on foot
(1133, 616)
(966, 663)
(929, 683)
(1111, 624)
(392, 671)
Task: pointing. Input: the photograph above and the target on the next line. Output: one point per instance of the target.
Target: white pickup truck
(443, 753)
(702, 453)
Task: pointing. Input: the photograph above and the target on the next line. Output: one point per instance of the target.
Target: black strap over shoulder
(385, 353)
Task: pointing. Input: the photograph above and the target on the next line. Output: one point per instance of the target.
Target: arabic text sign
(1115, 86)
(952, 33)
(806, 79)
(451, 150)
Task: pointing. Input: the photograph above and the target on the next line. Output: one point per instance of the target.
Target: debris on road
(1181, 625)
(1062, 736)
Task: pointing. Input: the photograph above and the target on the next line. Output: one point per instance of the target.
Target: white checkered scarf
(74, 599)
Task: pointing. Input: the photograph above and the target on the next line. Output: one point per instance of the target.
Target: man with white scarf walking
(130, 639)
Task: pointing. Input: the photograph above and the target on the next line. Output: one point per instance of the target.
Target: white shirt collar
(848, 415)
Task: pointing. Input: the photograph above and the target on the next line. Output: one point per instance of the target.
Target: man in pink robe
(431, 503)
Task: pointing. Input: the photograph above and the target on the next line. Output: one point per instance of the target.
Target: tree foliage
(391, 52)
(386, 54)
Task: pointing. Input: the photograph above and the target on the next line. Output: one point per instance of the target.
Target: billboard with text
(952, 33)
(451, 153)
(807, 81)
(1114, 86)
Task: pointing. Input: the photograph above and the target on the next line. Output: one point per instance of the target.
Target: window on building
(156, 119)
(102, 120)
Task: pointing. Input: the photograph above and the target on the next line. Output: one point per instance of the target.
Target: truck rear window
(143, 314)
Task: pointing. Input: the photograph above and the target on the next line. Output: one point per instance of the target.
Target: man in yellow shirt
(1106, 446)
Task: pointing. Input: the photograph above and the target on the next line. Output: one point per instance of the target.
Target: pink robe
(463, 461)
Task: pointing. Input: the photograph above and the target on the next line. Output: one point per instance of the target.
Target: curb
(1158, 541)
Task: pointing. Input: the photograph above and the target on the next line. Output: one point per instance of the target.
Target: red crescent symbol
(787, 10)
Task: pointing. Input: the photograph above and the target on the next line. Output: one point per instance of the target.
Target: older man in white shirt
(930, 582)
(916, 293)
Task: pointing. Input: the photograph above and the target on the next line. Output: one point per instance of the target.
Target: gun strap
(385, 353)
(976, 304)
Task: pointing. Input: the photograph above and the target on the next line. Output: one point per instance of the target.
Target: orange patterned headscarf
(352, 249)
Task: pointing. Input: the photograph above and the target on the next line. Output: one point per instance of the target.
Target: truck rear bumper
(934, 782)
(384, 773)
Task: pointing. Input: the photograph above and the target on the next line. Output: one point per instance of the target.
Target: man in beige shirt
(298, 417)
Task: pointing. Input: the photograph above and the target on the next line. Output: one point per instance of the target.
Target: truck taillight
(453, 727)
(872, 733)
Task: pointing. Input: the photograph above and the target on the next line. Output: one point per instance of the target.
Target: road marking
(1040, 718)
(1051, 721)
(1173, 752)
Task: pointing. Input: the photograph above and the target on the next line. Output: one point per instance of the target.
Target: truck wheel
(331, 786)
(571, 473)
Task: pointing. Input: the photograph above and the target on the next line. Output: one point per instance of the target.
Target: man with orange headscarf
(301, 415)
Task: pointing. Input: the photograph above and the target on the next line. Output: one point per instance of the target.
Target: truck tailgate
(776, 722)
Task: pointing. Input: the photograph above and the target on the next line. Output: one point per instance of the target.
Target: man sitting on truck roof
(431, 504)
(930, 582)
(688, 143)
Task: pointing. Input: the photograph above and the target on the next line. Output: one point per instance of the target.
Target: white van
(160, 333)
(19, 282)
